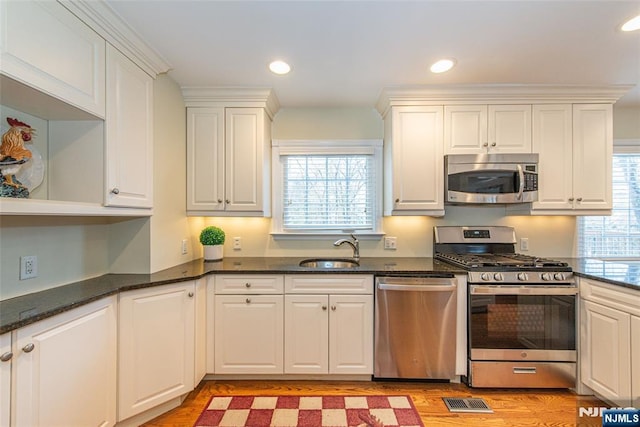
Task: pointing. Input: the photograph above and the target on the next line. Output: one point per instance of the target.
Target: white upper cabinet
(128, 134)
(228, 152)
(414, 161)
(575, 145)
(480, 129)
(47, 48)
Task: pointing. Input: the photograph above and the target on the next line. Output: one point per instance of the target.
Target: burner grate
(469, 404)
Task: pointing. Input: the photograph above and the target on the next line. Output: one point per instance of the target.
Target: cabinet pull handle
(28, 348)
(190, 294)
(333, 308)
(324, 307)
(6, 356)
(248, 300)
(115, 191)
(248, 285)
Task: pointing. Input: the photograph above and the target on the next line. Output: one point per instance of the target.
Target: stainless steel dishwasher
(415, 327)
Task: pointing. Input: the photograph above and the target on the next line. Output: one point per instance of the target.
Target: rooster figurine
(13, 155)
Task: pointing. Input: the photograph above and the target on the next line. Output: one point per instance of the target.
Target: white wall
(626, 123)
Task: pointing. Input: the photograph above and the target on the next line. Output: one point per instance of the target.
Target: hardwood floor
(552, 408)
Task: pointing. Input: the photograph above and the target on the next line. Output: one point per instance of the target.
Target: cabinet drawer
(328, 284)
(249, 284)
(621, 298)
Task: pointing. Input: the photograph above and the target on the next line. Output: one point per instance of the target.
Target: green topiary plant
(212, 235)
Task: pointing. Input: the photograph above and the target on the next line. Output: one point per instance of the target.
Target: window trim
(280, 147)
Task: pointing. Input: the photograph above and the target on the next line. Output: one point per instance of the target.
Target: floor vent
(470, 404)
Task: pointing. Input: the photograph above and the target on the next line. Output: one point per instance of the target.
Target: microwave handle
(521, 178)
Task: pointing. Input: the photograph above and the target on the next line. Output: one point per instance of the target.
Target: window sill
(279, 235)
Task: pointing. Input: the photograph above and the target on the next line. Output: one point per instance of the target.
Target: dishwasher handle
(435, 286)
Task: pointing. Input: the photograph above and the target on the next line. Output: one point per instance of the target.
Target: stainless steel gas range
(521, 310)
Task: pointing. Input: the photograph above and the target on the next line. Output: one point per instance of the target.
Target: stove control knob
(498, 277)
(485, 276)
(546, 277)
(523, 277)
(559, 276)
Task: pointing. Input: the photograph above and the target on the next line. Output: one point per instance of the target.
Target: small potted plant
(212, 239)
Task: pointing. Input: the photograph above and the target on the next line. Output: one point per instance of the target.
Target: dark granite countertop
(21, 311)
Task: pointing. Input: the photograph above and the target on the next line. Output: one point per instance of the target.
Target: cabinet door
(509, 129)
(635, 361)
(465, 129)
(552, 140)
(128, 134)
(200, 367)
(47, 47)
(592, 156)
(247, 143)
(156, 348)
(205, 159)
(249, 334)
(605, 348)
(417, 162)
(351, 334)
(5, 378)
(66, 368)
(306, 334)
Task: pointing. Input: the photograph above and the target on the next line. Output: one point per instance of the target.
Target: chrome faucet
(355, 244)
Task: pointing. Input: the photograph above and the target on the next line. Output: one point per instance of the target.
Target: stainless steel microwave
(491, 178)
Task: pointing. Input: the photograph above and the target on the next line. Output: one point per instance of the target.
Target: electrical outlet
(28, 267)
(184, 249)
(524, 243)
(391, 243)
(237, 243)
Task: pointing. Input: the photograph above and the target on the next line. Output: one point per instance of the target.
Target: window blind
(617, 235)
(328, 192)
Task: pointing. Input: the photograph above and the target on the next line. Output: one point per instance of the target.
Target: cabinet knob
(397, 200)
(6, 356)
(579, 199)
(486, 144)
(115, 191)
(248, 300)
(28, 348)
(190, 294)
(247, 285)
(227, 201)
(493, 144)
(324, 308)
(571, 199)
(333, 308)
(219, 200)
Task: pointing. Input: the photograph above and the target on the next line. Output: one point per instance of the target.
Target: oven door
(528, 323)
(492, 183)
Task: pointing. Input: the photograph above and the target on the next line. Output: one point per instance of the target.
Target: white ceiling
(344, 52)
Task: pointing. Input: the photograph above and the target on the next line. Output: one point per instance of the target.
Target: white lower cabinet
(326, 330)
(156, 346)
(6, 357)
(609, 335)
(64, 369)
(248, 324)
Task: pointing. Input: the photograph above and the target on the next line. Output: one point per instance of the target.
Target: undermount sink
(329, 263)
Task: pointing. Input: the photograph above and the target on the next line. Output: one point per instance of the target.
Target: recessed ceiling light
(279, 67)
(632, 24)
(442, 65)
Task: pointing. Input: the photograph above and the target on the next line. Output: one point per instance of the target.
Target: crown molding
(230, 96)
(98, 15)
(498, 94)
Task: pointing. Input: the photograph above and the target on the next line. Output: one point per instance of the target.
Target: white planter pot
(213, 252)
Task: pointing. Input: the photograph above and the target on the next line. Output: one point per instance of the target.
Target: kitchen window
(618, 235)
(327, 188)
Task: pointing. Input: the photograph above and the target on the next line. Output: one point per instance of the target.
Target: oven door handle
(522, 290)
(521, 187)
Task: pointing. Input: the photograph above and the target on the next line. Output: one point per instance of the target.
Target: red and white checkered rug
(310, 411)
